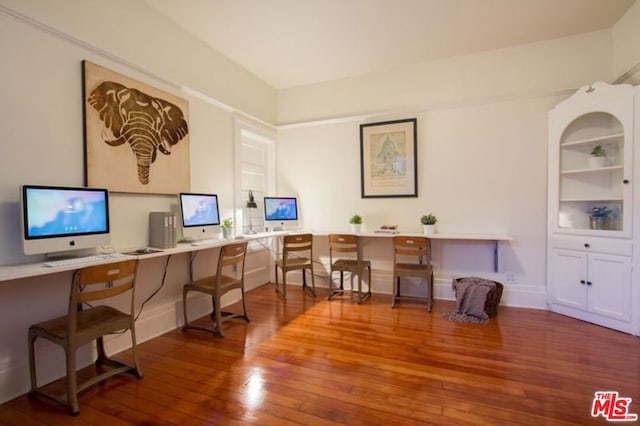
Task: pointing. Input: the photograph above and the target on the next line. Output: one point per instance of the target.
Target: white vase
(355, 228)
(597, 162)
(227, 232)
(429, 229)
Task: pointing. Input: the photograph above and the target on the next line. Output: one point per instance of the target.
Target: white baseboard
(521, 296)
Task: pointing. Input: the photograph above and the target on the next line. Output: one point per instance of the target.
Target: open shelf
(593, 141)
(592, 170)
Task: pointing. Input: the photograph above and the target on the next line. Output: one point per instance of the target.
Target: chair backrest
(100, 282)
(341, 245)
(293, 245)
(411, 250)
(232, 255)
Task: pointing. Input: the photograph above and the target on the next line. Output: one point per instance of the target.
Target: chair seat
(295, 262)
(91, 323)
(348, 264)
(208, 284)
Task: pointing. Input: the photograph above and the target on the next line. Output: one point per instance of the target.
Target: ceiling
(289, 43)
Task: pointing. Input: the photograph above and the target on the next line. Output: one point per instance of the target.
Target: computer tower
(162, 230)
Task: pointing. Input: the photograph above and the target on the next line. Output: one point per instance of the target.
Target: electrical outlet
(510, 277)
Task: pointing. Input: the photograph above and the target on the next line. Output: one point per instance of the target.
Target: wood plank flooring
(302, 362)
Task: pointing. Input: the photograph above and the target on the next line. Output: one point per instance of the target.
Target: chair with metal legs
(345, 255)
(229, 276)
(87, 321)
(297, 255)
(412, 258)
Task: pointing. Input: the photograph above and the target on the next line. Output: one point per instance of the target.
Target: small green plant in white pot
(598, 157)
(429, 224)
(227, 227)
(356, 223)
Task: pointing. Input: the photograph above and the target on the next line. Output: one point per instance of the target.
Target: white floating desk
(25, 270)
(495, 238)
(443, 236)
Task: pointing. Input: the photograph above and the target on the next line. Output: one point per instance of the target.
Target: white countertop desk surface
(436, 236)
(451, 236)
(25, 270)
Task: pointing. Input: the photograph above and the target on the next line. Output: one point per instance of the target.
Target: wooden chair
(347, 247)
(81, 326)
(229, 276)
(412, 258)
(297, 254)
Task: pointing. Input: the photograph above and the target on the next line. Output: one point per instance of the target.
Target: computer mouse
(143, 251)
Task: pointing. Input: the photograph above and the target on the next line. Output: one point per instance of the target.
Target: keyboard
(205, 242)
(83, 260)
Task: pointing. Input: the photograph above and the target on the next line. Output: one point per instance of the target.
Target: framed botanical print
(388, 162)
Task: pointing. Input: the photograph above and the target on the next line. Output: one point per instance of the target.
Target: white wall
(42, 143)
(136, 33)
(481, 169)
(529, 70)
(482, 149)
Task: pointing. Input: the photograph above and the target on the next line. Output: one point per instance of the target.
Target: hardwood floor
(328, 363)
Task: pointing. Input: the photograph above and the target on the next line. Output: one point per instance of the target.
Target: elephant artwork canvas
(136, 136)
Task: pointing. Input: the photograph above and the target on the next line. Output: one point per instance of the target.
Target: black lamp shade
(251, 204)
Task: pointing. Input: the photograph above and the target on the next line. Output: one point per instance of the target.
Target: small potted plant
(227, 227)
(356, 223)
(598, 157)
(599, 217)
(428, 224)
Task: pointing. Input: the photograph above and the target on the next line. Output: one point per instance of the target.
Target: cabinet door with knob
(591, 280)
(608, 286)
(567, 273)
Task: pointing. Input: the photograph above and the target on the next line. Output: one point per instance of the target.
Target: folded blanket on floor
(471, 295)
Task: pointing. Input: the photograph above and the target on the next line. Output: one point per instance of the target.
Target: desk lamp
(251, 204)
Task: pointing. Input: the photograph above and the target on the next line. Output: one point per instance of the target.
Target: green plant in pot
(227, 227)
(429, 223)
(356, 219)
(356, 223)
(597, 157)
(599, 217)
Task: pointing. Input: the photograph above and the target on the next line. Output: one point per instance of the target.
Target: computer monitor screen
(280, 208)
(199, 214)
(56, 219)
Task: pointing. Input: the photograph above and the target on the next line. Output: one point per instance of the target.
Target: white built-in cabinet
(590, 260)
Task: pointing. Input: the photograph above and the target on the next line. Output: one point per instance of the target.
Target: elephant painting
(148, 124)
(136, 136)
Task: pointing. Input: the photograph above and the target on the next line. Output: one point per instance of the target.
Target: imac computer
(63, 219)
(281, 212)
(200, 216)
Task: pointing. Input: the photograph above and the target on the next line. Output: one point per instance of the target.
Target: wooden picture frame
(136, 137)
(388, 159)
